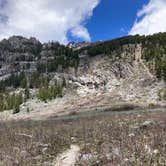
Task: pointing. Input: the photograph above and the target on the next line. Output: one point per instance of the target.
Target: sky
(86, 20)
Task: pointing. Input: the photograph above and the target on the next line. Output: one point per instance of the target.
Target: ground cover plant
(120, 139)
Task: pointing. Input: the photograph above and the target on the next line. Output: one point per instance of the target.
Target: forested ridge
(53, 57)
(153, 50)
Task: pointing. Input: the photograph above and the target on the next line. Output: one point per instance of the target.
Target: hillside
(55, 79)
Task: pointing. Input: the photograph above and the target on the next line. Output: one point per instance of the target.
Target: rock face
(18, 53)
(78, 46)
(123, 74)
(128, 78)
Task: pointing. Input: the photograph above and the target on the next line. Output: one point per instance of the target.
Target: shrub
(28, 110)
(50, 92)
(16, 109)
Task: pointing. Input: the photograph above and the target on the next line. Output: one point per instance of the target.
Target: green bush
(16, 109)
(50, 92)
(164, 95)
(28, 110)
(11, 101)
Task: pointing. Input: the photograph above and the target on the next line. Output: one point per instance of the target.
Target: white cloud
(82, 32)
(152, 18)
(46, 19)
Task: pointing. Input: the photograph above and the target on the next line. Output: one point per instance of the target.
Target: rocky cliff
(130, 69)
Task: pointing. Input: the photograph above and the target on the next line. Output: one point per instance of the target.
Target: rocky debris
(130, 81)
(116, 152)
(148, 149)
(86, 157)
(24, 135)
(131, 135)
(24, 154)
(77, 46)
(147, 124)
(144, 125)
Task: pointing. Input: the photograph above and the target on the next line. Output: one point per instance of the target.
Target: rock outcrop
(122, 74)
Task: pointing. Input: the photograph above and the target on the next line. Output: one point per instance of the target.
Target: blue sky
(86, 20)
(113, 18)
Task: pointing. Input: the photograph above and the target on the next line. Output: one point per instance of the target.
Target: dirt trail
(69, 157)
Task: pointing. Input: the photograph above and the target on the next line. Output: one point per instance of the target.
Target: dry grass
(115, 140)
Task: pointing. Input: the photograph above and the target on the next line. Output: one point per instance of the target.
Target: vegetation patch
(120, 139)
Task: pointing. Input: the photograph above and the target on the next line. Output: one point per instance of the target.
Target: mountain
(130, 69)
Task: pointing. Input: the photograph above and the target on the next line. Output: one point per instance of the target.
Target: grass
(121, 139)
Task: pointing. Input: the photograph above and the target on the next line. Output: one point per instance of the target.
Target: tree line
(153, 50)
